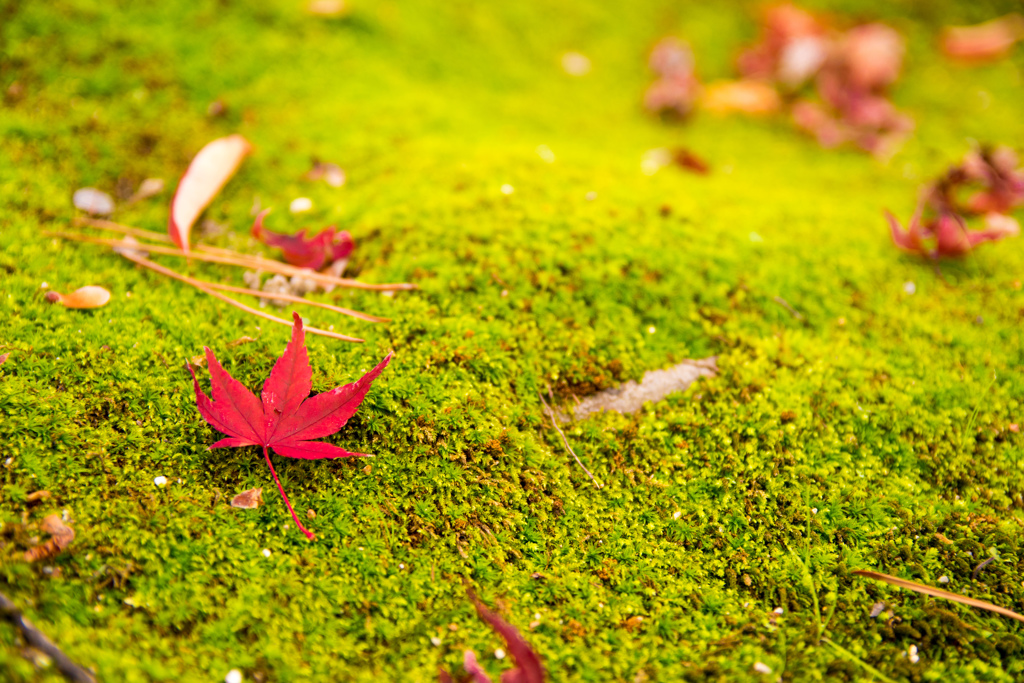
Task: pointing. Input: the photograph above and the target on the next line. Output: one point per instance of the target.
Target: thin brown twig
(156, 267)
(35, 638)
(937, 593)
(241, 260)
(554, 423)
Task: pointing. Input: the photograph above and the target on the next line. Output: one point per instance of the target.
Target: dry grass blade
(554, 423)
(156, 267)
(938, 593)
(294, 299)
(224, 256)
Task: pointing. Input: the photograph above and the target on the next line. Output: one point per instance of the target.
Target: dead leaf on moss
(36, 497)
(3, 358)
(247, 500)
(61, 536)
(84, 297)
(655, 385)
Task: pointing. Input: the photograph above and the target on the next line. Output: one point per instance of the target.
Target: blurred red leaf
(313, 252)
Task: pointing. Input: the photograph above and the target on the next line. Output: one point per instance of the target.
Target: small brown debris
(311, 514)
(247, 500)
(216, 109)
(240, 341)
(633, 623)
(36, 497)
(198, 361)
(684, 158)
(943, 538)
(61, 536)
(367, 469)
(150, 187)
(746, 97)
(787, 416)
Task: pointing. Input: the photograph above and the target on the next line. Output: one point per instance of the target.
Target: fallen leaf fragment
(314, 252)
(3, 358)
(209, 171)
(93, 201)
(937, 593)
(746, 97)
(247, 500)
(241, 340)
(529, 668)
(654, 386)
(90, 296)
(985, 42)
(287, 419)
(61, 536)
(684, 158)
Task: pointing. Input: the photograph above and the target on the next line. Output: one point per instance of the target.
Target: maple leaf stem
(309, 534)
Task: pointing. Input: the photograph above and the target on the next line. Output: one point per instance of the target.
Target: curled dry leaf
(93, 201)
(287, 419)
(209, 171)
(61, 536)
(937, 593)
(247, 500)
(746, 97)
(314, 252)
(91, 296)
(983, 42)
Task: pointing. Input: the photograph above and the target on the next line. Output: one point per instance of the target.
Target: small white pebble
(943, 579)
(435, 641)
(499, 654)
(8, 461)
(651, 329)
(545, 153)
(591, 196)
(507, 189)
(234, 676)
(912, 654)
(575, 64)
(814, 511)
(160, 481)
(266, 552)
(536, 615)
(909, 287)
(762, 668)
(300, 204)
(401, 566)
(44, 285)
(778, 610)
(754, 237)
(677, 514)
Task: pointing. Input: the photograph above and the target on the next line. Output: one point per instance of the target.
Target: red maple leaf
(315, 252)
(288, 418)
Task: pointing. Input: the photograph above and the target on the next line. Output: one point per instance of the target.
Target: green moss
(868, 434)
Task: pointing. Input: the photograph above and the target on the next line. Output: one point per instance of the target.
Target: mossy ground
(874, 433)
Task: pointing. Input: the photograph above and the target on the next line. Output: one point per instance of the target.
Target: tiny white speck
(677, 514)
(160, 481)
(266, 552)
(360, 548)
(651, 329)
(234, 676)
(909, 287)
(499, 654)
(912, 654)
(778, 610)
(814, 511)
(128, 294)
(507, 189)
(536, 615)
(44, 285)
(575, 64)
(435, 641)
(300, 204)
(8, 461)
(591, 196)
(545, 153)
(762, 668)
(504, 292)
(330, 328)
(754, 237)
(401, 566)
(600, 605)
(654, 159)
(943, 579)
